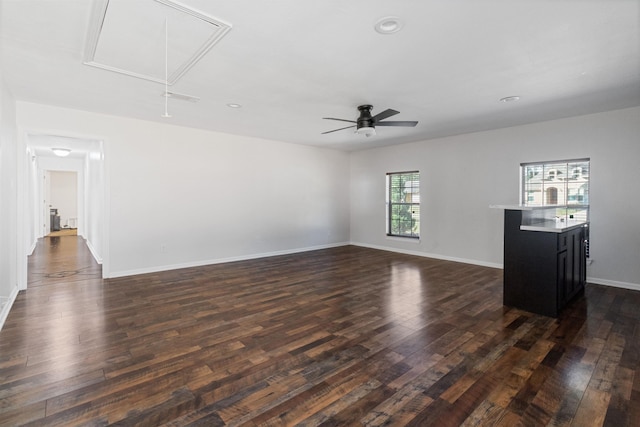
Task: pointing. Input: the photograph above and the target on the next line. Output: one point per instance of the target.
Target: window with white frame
(403, 204)
(563, 183)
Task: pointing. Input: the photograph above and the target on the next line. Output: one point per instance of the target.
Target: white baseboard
(94, 253)
(157, 269)
(7, 303)
(624, 285)
(595, 281)
(32, 247)
(429, 255)
(604, 282)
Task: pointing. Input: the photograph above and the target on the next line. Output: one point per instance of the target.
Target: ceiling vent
(128, 37)
(180, 96)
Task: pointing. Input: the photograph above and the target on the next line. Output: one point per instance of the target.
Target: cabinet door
(577, 262)
(563, 269)
(571, 267)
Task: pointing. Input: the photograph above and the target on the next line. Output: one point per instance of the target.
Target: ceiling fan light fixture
(366, 123)
(388, 25)
(510, 99)
(366, 131)
(61, 152)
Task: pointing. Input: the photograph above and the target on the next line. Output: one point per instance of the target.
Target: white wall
(8, 202)
(462, 175)
(179, 196)
(33, 227)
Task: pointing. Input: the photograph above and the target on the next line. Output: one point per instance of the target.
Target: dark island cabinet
(543, 270)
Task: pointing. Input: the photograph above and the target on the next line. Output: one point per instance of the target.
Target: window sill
(404, 239)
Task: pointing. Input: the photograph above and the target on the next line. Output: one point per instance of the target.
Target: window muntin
(403, 204)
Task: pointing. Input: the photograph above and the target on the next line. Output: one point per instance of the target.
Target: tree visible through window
(403, 204)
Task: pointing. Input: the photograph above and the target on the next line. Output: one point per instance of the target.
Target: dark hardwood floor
(344, 336)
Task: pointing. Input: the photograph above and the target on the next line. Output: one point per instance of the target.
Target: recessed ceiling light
(388, 25)
(234, 105)
(510, 99)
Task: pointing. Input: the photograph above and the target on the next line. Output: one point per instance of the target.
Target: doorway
(60, 204)
(65, 197)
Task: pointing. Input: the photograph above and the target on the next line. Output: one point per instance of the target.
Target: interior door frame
(28, 216)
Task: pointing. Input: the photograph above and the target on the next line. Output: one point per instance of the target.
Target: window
(564, 182)
(403, 204)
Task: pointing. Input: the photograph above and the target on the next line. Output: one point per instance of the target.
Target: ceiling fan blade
(383, 115)
(411, 124)
(335, 130)
(341, 120)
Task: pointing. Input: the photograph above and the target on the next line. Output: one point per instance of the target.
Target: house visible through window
(563, 183)
(403, 204)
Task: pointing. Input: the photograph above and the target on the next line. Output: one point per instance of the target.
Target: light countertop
(525, 208)
(553, 226)
(534, 222)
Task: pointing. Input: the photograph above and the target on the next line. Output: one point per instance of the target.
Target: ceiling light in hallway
(61, 152)
(388, 25)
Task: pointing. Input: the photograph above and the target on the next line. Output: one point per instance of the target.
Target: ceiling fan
(366, 124)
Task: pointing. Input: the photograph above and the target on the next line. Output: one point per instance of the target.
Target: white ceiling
(291, 62)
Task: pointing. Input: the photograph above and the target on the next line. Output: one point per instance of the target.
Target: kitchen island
(544, 257)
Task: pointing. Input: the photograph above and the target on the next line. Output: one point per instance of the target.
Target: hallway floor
(61, 259)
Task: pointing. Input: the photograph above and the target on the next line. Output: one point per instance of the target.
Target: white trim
(221, 260)
(23, 218)
(614, 283)
(430, 255)
(6, 307)
(219, 30)
(93, 251)
(595, 281)
(22, 207)
(592, 280)
(105, 148)
(32, 248)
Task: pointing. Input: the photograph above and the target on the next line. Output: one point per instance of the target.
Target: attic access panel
(128, 37)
